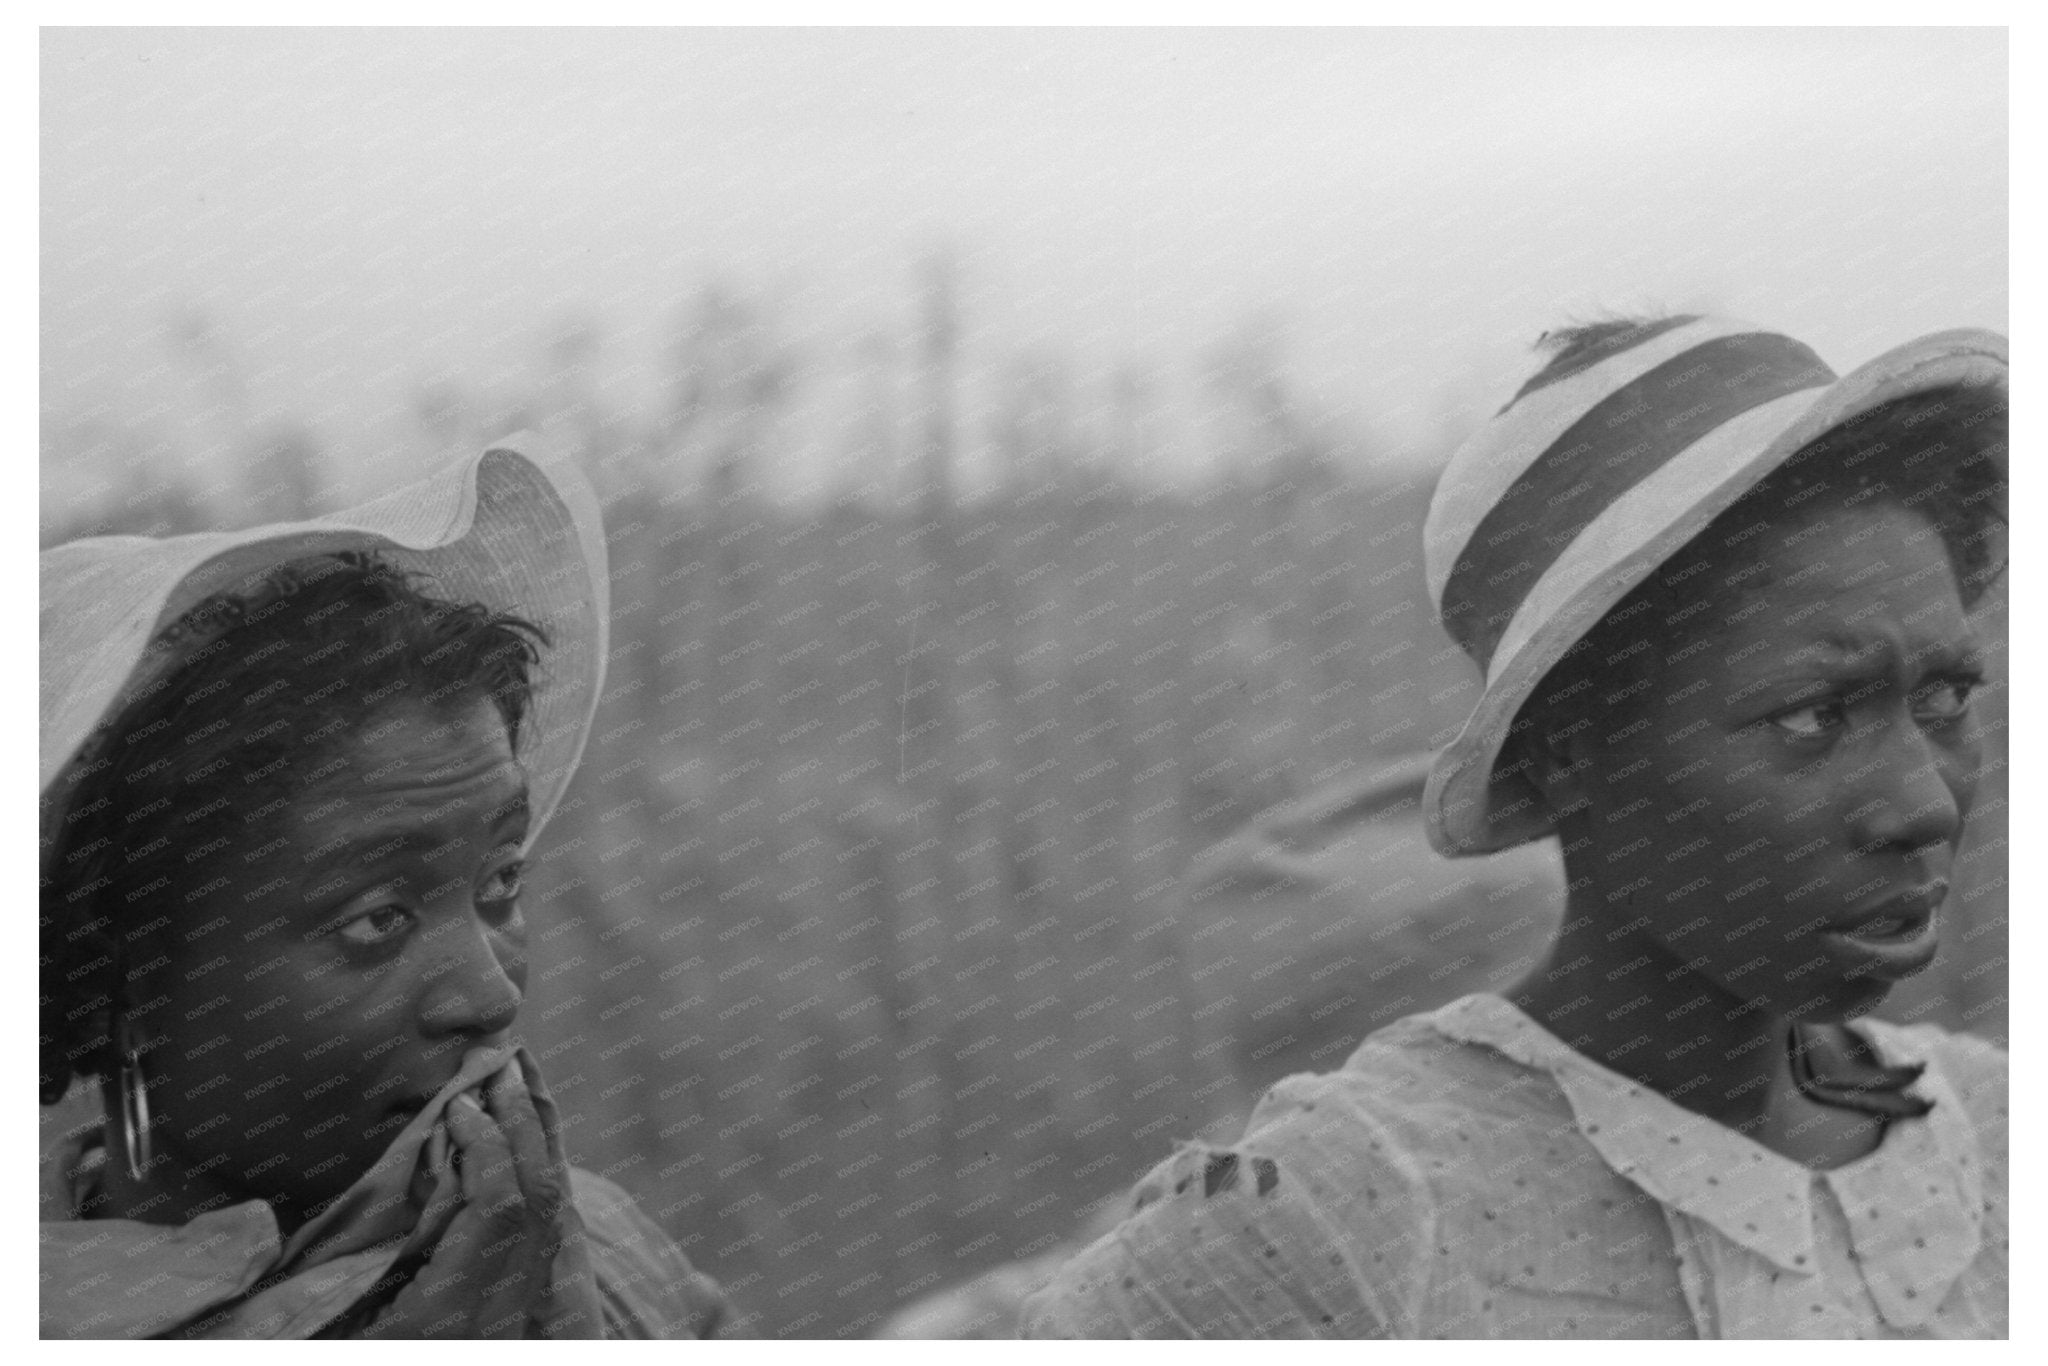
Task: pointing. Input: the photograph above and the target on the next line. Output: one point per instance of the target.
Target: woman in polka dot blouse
(1721, 599)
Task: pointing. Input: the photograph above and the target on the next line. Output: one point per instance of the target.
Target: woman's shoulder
(1389, 1109)
(1414, 1080)
(1320, 1221)
(650, 1289)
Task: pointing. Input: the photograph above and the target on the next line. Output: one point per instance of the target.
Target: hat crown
(1575, 439)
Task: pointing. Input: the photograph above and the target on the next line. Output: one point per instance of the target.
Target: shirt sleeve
(1316, 1225)
(649, 1288)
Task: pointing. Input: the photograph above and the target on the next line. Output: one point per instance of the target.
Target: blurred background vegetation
(867, 950)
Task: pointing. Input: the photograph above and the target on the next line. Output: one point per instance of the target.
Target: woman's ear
(146, 989)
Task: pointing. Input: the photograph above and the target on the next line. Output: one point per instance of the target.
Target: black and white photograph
(887, 682)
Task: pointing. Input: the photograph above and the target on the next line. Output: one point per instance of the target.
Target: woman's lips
(1886, 929)
(1895, 938)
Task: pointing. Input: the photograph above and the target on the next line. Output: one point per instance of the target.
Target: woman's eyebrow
(368, 847)
(514, 809)
(1813, 669)
(1965, 654)
(1792, 685)
(1843, 658)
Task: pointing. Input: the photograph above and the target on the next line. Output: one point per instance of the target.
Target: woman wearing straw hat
(289, 778)
(1720, 597)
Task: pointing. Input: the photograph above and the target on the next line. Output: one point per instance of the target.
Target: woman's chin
(1846, 1001)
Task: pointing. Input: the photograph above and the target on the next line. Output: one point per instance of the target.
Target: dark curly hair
(1939, 453)
(268, 684)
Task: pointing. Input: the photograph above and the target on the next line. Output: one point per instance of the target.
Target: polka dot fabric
(1467, 1175)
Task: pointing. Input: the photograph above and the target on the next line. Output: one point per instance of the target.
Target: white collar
(1926, 1172)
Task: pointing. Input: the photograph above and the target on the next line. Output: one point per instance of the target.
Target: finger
(542, 1179)
(519, 1202)
(489, 1180)
(434, 1172)
(569, 1306)
(543, 1104)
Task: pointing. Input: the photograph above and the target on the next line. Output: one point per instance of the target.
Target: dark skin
(1763, 834)
(353, 948)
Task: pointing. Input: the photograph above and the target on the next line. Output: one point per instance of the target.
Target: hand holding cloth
(226, 1273)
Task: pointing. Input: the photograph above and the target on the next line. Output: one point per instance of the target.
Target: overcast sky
(359, 210)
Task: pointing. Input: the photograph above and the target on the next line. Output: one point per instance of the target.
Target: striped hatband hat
(1593, 475)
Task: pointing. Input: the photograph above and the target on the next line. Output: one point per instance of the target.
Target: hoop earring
(134, 1087)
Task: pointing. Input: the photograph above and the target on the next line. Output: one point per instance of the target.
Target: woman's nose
(1915, 790)
(477, 986)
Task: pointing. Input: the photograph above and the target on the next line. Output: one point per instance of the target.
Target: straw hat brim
(1467, 807)
(515, 528)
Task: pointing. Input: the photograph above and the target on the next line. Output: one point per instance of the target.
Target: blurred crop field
(867, 950)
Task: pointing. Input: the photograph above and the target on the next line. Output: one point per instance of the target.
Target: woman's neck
(1680, 1037)
(167, 1192)
(1639, 1012)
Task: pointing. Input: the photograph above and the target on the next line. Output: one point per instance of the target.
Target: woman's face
(1779, 807)
(341, 957)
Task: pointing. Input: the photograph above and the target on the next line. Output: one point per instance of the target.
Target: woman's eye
(375, 928)
(503, 884)
(1948, 700)
(1811, 721)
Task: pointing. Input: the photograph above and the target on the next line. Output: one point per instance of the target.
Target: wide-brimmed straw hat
(515, 528)
(1589, 479)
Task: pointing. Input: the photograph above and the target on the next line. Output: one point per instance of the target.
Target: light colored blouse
(1466, 1174)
